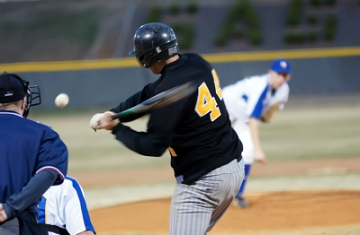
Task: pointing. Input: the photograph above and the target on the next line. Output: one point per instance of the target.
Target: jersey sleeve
(160, 128)
(257, 91)
(76, 213)
(53, 155)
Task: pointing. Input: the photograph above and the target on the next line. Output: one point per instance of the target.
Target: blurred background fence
(106, 87)
(80, 47)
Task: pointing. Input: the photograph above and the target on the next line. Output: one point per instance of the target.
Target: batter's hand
(3, 216)
(106, 122)
(94, 121)
(260, 156)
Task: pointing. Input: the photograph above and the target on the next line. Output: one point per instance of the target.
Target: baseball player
(253, 99)
(63, 209)
(205, 151)
(32, 158)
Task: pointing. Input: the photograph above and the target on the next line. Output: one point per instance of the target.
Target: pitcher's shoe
(240, 202)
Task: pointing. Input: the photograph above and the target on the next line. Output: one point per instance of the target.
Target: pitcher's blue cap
(281, 66)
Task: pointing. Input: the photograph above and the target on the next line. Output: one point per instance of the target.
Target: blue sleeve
(84, 210)
(256, 113)
(53, 155)
(41, 212)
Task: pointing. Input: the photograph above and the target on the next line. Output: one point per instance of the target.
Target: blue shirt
(26, 148)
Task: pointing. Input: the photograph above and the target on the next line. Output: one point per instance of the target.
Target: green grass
(294, 134)
(312, 133)
(96, 151)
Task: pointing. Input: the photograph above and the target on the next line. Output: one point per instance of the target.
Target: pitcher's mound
(300, 212)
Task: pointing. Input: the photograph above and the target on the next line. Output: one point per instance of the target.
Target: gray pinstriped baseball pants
(196, 208)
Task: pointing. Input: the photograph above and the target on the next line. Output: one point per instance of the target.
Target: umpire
(32, 158)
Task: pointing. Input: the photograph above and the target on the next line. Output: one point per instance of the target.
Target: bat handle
(121, 114)
(113, 117)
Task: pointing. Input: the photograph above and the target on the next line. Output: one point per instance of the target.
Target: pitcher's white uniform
(64, 206)
(251, 97)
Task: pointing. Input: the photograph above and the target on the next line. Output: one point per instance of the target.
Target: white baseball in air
(61, 100)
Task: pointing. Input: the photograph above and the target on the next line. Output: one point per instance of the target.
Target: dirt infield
(310, 212)
(287, 212)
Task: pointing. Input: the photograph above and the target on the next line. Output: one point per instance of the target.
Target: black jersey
(196, 130)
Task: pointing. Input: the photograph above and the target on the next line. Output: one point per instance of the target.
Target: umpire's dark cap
(12, 88)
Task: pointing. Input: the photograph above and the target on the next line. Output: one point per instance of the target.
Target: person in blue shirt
(251, 100)
(63, 209)
(32, 158)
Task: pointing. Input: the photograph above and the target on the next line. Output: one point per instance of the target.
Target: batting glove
(94, 121)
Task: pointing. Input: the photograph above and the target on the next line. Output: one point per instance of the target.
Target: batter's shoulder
(198, 61)
(194, 56)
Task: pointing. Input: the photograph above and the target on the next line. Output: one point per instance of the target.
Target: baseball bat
(160, 100)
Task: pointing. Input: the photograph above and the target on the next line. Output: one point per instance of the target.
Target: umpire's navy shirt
(26, 148)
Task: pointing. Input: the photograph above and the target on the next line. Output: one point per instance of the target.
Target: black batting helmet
(154, 42)
(13, 88)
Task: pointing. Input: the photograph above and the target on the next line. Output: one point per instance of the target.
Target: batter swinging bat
(160, 100)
